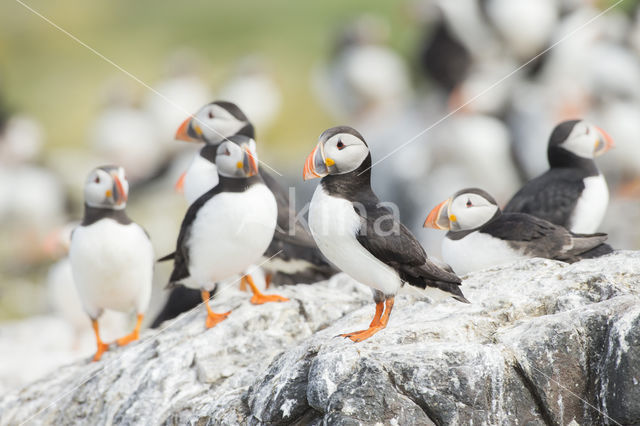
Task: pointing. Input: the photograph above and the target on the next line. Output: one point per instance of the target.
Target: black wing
(181, 255)
(539, 238)
(392, 243)
(551, 196)
(291, 240)
(535, 237)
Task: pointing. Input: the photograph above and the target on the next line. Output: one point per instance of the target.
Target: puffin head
(106, 187)
(579, 137)
(215, 122)
(468, 209)
(339, 150)
(237, 158)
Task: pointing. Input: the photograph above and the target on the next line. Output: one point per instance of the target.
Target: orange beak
(119, 193)
(179, 186)
(250, 165)
(605, 142)
(315, 165)
(438, 218)
(183, 132)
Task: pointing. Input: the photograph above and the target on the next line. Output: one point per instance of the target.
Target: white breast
(591, 206)
(334, 224)
(230, 232)
(201, 176)
(112, 266)
(477, 251)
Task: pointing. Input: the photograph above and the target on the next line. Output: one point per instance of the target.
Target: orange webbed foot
(213, 318)
(259, 299)
(102, 348)
(128, 338)
(359, 336)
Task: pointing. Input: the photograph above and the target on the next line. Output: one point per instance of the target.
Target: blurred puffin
(481, 236)
(572, 193)
(228, 228)
(111, 256)
(360, 236)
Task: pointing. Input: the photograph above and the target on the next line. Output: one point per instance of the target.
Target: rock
(543, 342)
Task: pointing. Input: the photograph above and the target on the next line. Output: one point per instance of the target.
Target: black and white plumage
(111, 256)
(358, 234)
(481, 236)
(292, 256)
(572, 193)
(229, 227)
(299, 259)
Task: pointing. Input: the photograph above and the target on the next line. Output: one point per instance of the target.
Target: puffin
(111, 256)
(481, 235)
(228, 228)
(572, 193)
(299, 259)
(292, 256)
(360, 235)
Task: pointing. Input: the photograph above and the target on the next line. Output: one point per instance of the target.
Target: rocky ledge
(543, 342)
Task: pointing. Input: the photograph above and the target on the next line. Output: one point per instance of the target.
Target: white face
(214, 123)
(345, 151)
(469, 211)
(237, 161)
(584, 140)
(106, 187)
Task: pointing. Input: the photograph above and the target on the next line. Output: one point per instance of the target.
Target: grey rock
(542, 343)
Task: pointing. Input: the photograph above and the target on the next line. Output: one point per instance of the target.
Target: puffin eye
(469, 203)
(588, 130)
(340, 145)
(227, 152)
(97, 179)
(211, 114)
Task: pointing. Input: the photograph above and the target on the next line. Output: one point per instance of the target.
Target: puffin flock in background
(239, 220)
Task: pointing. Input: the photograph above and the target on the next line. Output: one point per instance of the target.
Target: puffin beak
(179, 186)
(119, 194)
(249, 163)
(438, 218)
(316, 166)
(604, 142)
(186, 133)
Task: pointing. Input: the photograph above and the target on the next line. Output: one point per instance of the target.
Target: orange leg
(379, 322)
(102, 347)
(243, 284)
(212, 317)
(259, 298)
(135, 334)
(267, 281)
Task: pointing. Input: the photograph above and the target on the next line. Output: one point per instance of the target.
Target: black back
(391, 243)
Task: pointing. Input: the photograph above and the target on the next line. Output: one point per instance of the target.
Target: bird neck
(248, 131)
(229, 184)
(457, 235)
(348, 185)
(94, 214)
(561, 158)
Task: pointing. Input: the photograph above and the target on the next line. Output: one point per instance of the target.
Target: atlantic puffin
(299, 260)
(111, 256)
(481, 236)
(572, 193)
(358, 234)
(228, 228)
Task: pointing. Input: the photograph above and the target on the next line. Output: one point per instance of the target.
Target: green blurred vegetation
(46, 73)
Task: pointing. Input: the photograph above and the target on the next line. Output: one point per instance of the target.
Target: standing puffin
(572, 193)
(292, 256)
(228, 228)
(481, 236)
(111, 256)
(359, 235)
(299, 259)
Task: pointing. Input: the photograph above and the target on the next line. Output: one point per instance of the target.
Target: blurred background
(428, 72)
